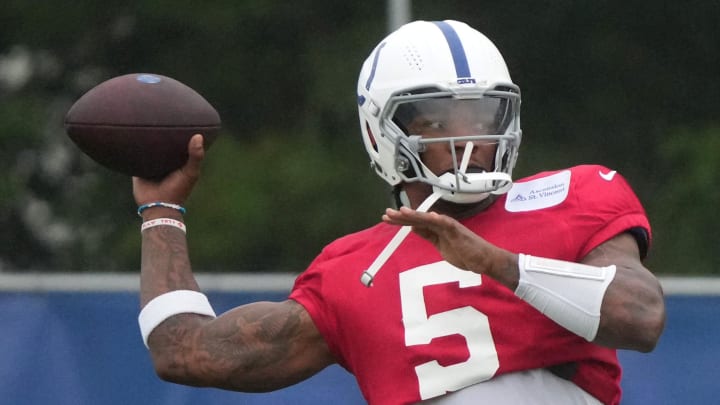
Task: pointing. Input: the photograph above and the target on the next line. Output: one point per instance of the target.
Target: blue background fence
(83, 347)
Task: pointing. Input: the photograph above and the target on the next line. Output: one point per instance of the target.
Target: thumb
(196, 153)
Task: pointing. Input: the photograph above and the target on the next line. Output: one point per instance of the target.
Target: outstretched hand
(176, 186)
(457, 244)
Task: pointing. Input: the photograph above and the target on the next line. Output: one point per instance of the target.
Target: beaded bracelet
(160, 204)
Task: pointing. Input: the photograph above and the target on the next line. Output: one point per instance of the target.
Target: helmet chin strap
(467, 188)
(472, 187)
(369, 274)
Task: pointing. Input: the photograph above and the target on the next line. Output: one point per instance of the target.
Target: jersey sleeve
(308, 292)
(608, 207)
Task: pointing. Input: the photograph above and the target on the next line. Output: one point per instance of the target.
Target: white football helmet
(428, 67)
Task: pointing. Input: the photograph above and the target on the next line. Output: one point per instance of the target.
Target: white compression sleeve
(570, 294)
(172, 303)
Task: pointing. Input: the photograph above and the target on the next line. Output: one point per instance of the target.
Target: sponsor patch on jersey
(540, 193)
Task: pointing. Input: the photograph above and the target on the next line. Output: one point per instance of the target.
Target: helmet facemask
(412, 120)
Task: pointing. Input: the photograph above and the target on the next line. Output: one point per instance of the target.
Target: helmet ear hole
(371, 137)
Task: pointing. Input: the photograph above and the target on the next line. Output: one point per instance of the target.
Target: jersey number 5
(421, 329)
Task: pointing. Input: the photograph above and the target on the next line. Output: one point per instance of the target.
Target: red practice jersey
(426, 328)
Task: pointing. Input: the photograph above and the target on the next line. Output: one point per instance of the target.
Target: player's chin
(464, 210)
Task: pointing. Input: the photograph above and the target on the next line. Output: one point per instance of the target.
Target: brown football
(139, 124)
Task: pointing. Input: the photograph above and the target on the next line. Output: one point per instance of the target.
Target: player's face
(444, 118)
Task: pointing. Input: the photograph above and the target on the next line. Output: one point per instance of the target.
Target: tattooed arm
(256, 347)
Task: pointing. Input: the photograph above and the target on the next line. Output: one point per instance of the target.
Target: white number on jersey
(421, 329)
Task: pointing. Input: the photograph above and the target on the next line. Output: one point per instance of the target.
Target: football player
(474, 289)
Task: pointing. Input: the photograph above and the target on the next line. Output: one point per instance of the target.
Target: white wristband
(169, 304)
(570, 294)
(163, 221)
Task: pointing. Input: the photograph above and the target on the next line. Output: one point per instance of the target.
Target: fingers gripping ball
(140, 124)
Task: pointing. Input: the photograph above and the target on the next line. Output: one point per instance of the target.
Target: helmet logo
(466, 80)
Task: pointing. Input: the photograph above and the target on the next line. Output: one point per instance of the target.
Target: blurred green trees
(629, 84)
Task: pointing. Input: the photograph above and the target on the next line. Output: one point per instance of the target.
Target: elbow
(174, 352)
(644, 318)
(653, 321)
(165, 372)
(652, 328)
(176, 362)
(166, 375)
(634, 325)
(643, 334)
(176, 372)
(171, 371)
